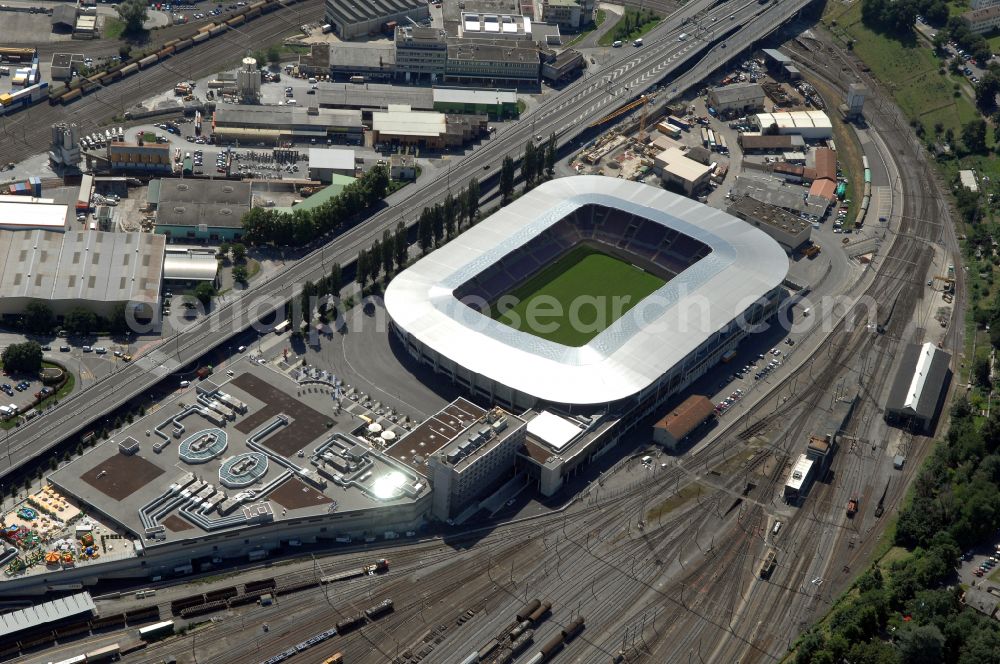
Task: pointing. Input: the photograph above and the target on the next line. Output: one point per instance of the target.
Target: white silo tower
(248, 81)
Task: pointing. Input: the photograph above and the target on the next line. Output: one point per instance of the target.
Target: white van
(637, 42)
(617, 44)
(312, 81)
(683, 36)
(185, 383)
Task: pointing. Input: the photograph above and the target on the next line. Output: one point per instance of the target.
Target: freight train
(65, 95)
(42, 637)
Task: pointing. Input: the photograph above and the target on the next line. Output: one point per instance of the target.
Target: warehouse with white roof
(811, 125)
(919, 387)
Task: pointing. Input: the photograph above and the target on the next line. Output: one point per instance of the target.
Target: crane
(632, 105)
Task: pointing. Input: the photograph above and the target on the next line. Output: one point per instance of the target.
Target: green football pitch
(576, 298)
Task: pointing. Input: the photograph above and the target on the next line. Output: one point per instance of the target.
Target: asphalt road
(566, 114)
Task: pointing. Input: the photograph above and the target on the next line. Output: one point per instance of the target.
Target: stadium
(661, 286)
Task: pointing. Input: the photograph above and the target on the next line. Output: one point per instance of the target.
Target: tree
(506, 180)
(133, 14)
(550, 156)
(239, 252)
(240, 274)
(205, 291)
(437, 223)
(38, 318)
(986, 92)
(375, 260)
(940, 41)
(273, 54)
(425, 234)
(25, 357)
(450, 211)
(981, 371)
(80, 321)
(472, 200)
(921, 644)
(118, 319)
(361, 270)
(401, 244)
(528, 164)
(335, 281)
(223, 250)
(974, 135)
(388, 251)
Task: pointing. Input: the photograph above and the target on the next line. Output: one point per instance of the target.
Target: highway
(565, 113)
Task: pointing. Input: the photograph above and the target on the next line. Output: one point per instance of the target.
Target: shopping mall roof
(631, 353)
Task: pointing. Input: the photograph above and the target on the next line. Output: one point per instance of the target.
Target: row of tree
(268, 226)
(913, 614)
(537, 164)
(384, 256)
(25, 357)
(39, 319)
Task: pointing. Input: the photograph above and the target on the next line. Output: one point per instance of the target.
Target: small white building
(811, 125)
(324, 163)
(673, 166)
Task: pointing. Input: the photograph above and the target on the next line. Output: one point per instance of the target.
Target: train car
(16, 54)
(165, 52)
(379, 609)
(252, 13)
(106, 654)
(148, 61)
(56, 92)
(200, 37)
(111, 77)
(864, 162)
(87, 86)
(183, 44)
(218, 30)
(156, 630)
(128, 70)
(239, 19)
(172, 42)
(269, 6)
(95, 78)
(767, 567)
(258, 5)
(350, 624)
(527, 610)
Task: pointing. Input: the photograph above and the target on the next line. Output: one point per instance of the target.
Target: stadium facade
(723, 277)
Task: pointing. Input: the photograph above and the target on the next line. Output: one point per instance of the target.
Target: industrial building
(31, 215)
(271, 124)
(601, 389)
(789, 230)
(400, 125)
(89, 269)
(680, 422)
(64, 151)
(185, 268)
(421, 53)
(919, 387)
(492, 63)
(372, 62)
(205, 211)
(562, 66)
(402, 167)
(737, 99)
(64, 64)
(47, 615)
(372, 97)
(324, 163)
(467, 453)
(497, 104)
(493, 25)
(64, 20)
(811, 125)
(770, 143)
(779, 65)
(799, 480)
(145, 158)
(572, 14)
(358, 18)
(781, 195)
(673, 166)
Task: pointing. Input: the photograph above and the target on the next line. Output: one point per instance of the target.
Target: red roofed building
(682, 420)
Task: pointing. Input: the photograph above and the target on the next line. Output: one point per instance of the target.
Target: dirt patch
(175, 524)
(121, 475)
(307, 424)
(294, 495)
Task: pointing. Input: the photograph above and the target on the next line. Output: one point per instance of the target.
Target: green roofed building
(338, 183)
(494, 103)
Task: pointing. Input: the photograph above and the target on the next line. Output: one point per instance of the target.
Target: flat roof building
(983, 20)
(476, 25)
(573, 14)
(789, 230)
(497, 103)
(146, 158)
(270, 124)
(799, 480)
(757, 142)
(208, 211)
(919, 387)
(421, 53)
(89, 269)
(375, 61)
(189, 268)
(403, 126)
(374, 97)
(473, 462)
(785, 196)
(32, 216)
(47, 614)
(562, 66)
(738, 98)
(63, 64)
(811, 125)
(678, 424)
(357, 18)
(675, 167)
(489, 63)
(324, 163)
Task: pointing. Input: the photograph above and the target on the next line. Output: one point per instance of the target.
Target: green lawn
(609, 37)
(577, 297)
(910, 69)
(114, 28)
(598, 20)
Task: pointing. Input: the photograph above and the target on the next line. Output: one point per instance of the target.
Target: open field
(584, 286)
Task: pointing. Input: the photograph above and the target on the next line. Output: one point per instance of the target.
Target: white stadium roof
(634, 351)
